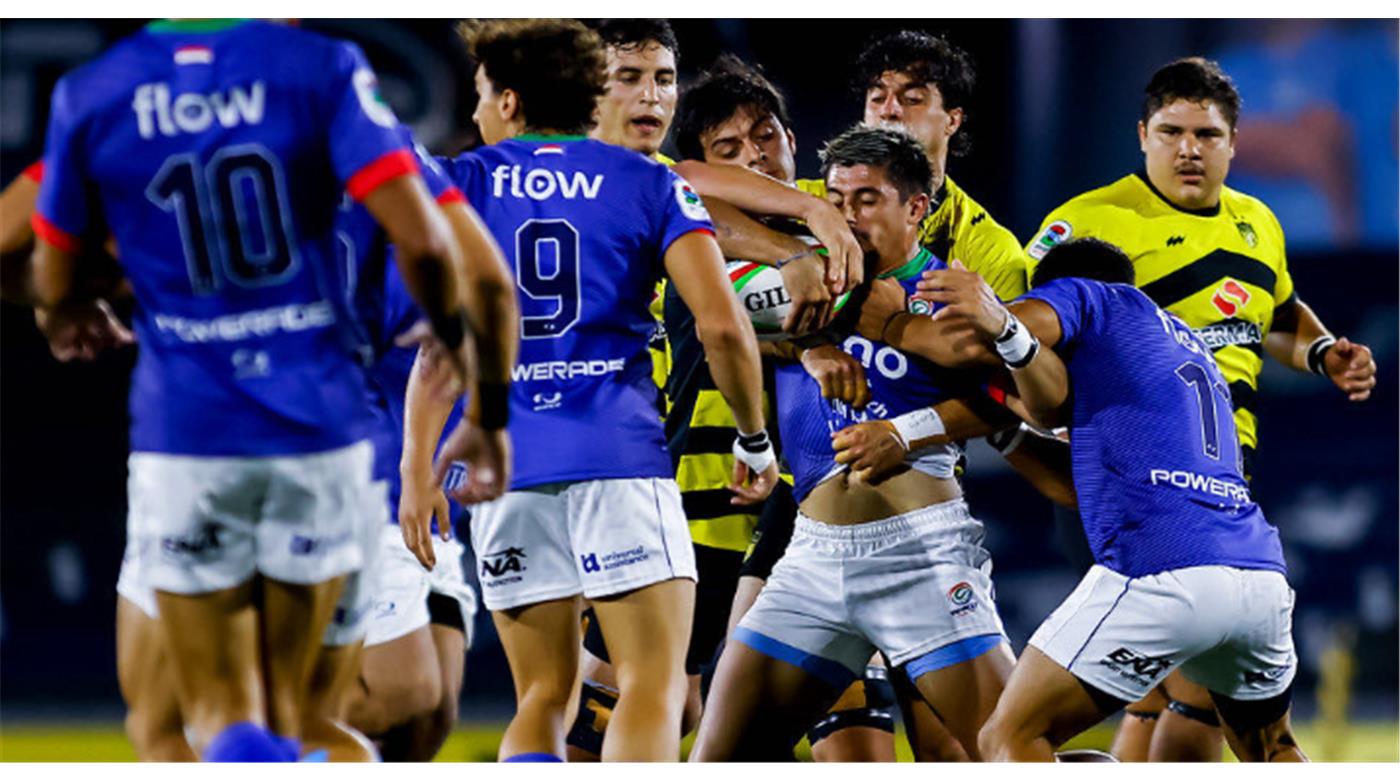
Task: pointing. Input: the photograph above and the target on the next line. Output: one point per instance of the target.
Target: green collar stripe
(549, 138)
(910, 269)
(193, 25)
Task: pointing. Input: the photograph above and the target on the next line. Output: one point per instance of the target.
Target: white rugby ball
(761, 292)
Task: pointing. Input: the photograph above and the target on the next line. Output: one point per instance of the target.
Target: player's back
(216, 155)
(1155, 456)
(585, 227)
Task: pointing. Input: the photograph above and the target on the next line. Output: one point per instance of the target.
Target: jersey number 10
(222, 206)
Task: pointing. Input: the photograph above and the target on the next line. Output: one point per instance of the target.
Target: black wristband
(754, 442)
(1317, 354)
(451, 329)
(493, 401)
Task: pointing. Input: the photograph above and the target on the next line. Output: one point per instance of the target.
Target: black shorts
(772, 534)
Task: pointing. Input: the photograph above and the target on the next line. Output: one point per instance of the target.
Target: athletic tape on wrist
(1016, 344)
(1317, 354)
(916, 425)
(754, 450)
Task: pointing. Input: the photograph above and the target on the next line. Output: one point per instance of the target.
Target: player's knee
(996, 736)
(690, 714)
(414, 694)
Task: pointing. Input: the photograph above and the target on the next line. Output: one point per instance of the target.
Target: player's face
(754, 140)
(896, 100)
(488, 115)
(1188, 147)
(640, 102)
(881, 220)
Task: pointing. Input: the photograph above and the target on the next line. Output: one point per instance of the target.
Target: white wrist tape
(1016, 344)
(754, 450)
(917, 425)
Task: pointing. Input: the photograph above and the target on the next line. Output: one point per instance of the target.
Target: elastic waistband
(899, 525)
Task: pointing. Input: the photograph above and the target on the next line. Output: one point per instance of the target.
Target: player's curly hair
(728, 86)
(927, 59)
(636, 33)
(1085, 258)
(903, 158)
(1196, 79)
(556, 66)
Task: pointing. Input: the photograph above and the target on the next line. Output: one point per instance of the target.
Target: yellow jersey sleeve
(815, 187)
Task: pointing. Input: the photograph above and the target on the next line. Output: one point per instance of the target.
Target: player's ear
(1142, 136)
(918, 208)
(792, 142)
(955, 120)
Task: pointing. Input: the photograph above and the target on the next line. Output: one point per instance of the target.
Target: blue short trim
(951, 655)
(832, 673)
(533, 758)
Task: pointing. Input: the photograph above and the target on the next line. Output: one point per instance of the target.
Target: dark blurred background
(1055, 114)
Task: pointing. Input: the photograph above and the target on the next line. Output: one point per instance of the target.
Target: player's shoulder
(973, 216)
(1122, 195)
(1246, 206)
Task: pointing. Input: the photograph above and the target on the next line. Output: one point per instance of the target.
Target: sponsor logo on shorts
(613, 560)
(203, 541)
(502, 568)
(385, 608)
(1140, 668)
(1262, 677)
(963, 599)
(317, 545)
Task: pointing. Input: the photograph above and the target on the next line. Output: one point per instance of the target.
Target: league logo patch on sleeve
(1055, 233)
(691, 204)
(367, 90)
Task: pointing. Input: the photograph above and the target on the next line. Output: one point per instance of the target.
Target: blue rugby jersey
(899, 382)
(584, 226)
(216, 153)
(384, 310)
(1152, 438)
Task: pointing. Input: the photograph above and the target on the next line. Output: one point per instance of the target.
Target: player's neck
(896, 267)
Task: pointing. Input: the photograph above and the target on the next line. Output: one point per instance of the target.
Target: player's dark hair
(556, 66)
(903, 158)
(926, 59)
(1196, 79)
(637, 33)
(1085, 258)
(730, 85)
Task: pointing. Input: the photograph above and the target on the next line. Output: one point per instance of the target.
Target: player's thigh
(144, 673)
(1043, 700)
(647, 630)
(359, 595)
(860, 725)
(541, 642)
(450, 645)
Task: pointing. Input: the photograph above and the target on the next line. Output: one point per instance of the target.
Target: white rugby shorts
(350, 621)
(907, 585)
(204, 524)
(400, 604)
(597, 538)
(1230, 630)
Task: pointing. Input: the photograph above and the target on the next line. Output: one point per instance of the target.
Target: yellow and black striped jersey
(1223, 271)
(960, 229)
(660, 353)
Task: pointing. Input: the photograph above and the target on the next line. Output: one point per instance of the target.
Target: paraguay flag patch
(194, 55)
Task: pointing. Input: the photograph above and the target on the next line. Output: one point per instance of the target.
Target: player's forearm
(1045, 464)
(732, 354)
(426, 254)
(742, 236)
(425, 414)
(945, 344)
(1296, 329)
(749, 190)
(967, 418)
(488, 295)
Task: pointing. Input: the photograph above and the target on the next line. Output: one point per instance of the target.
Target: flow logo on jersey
(1055, 233)
(1229, 297)
(500, 566)
(1137, 666)
(541, 184)
(890, 362)
(192, 112)
(205, 540)
(963, 599)
(691, 204)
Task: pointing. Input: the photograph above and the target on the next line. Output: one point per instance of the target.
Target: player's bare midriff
(842, 500)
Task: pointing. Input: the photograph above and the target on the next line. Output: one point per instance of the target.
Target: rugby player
(1188, 574)
(1214, 257)
(592, 511)
(863, 556)
(289, 495)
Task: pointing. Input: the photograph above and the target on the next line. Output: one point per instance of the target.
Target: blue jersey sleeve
(366, 143)
(1075, 302)
(441, 188)
(66, 194)
(682, 211)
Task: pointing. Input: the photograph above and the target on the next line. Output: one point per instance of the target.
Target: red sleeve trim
(399, 162)
(54, 234)
(451, 195)
(35, 172)
(997, 388)
(697, 230)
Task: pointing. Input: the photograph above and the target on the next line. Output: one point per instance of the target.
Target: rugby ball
(760, 291)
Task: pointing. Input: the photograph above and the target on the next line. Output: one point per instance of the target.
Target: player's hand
(443, 372)
(487, 455)
(81, 331)
(965, 296)
(845, 261)
(1351, 367)
(806, 284)
(871, 449)
(752, 487)
(886, 300)
(419, 502)
(840, 376)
